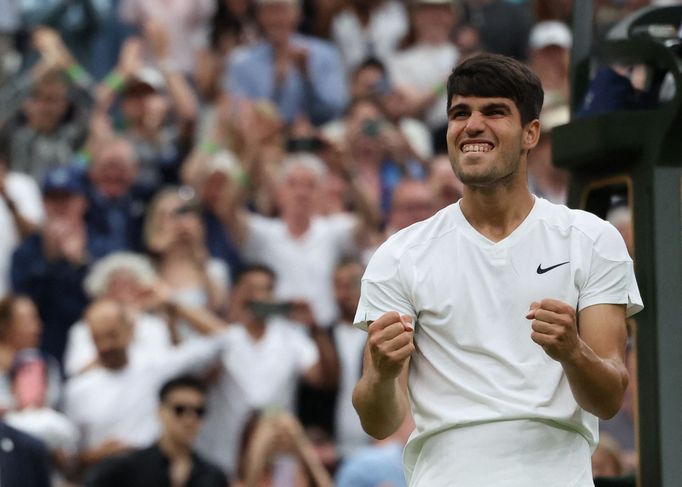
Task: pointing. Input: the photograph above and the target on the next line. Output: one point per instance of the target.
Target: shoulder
(388, 258)
(596, 233)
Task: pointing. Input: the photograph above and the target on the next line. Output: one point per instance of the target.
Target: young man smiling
(472, 315)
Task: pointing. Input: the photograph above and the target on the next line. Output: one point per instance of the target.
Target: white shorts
(518, 453)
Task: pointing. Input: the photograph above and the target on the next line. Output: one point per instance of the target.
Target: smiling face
(487, 142)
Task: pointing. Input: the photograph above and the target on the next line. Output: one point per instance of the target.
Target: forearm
(381, 404)
(598, 384)
(201, 319)
(329, 363)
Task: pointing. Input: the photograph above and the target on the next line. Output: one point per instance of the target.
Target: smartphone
(305, 144)
(371, 127)
(264, 309)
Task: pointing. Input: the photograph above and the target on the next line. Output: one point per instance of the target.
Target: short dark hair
(181, 382)
(494, 75)
(248, 269)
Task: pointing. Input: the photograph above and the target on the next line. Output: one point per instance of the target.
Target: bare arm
(380, 397)
(325, 373)
(590, 348)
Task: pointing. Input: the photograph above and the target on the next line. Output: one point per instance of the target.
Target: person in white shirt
(421, 70)
(472, 315)
(21, 213)
(128, 279)
(301, 246)
(272, 345)
(114, 403)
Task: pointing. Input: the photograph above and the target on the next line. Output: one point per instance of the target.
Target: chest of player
(476, 289)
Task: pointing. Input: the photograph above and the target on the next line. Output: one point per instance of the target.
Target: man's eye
(460, 114)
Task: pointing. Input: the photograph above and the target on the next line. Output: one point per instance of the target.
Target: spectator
(550, 47)
(186, 23)
(209, 175)
(302, 75)
(158, 110)
(444, 183)
(9, 27)
(43, 123)
(372, 28)
(20, 331)
(412, 202)
(423, 67)
(349, 346)
(129, 280)
(24, 460)
(267, 356)
(379, 464)
(171, 460)
(113, 403)
(302, 247)
(380, 152)
(32, 413)
(370, 81)
(21, 213)
(175, 236)
(115, 204)
(277, 452)
(50, 264)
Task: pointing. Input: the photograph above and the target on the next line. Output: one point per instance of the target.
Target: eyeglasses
(182, 409)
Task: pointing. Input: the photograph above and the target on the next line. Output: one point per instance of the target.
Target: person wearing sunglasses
(171, 460)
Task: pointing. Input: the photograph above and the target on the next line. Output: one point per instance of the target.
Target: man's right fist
(390, 343)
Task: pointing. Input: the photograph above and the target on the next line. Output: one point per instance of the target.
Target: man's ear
(531, 134)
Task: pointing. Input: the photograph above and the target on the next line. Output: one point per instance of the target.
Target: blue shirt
(373, 466)
(321, 96)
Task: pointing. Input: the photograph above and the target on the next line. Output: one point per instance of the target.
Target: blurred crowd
(189, 192)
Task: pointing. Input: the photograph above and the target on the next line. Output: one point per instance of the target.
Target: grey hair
(97, 280)
(303, 160)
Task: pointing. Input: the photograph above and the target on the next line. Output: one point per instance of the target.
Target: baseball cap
(64, 180)
(146, 77)
(550, 33)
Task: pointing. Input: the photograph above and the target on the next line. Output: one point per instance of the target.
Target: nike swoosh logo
(540, 270)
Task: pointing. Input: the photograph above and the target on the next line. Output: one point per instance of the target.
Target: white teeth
(477, 147)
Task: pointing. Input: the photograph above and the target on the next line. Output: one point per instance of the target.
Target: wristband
(115, 81)
(76, 73)
(209, 147)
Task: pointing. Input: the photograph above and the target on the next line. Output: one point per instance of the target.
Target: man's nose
(475, 123)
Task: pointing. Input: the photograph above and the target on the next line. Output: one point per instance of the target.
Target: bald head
(412, 201)
(111, 331)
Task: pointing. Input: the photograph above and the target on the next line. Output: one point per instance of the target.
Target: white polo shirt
(468, 296)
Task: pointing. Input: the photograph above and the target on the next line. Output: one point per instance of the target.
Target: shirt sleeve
(611, 279)
(385, 287)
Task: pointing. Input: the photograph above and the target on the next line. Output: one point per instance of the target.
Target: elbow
(609, 408)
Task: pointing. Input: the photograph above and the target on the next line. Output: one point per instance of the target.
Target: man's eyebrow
(496, 106)
(459, 106)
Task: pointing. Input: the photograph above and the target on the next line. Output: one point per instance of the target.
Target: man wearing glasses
(170, 461)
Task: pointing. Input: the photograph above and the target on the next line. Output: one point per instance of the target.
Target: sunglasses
(183, 409)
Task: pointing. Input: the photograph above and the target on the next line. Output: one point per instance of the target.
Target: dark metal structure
(637, 155)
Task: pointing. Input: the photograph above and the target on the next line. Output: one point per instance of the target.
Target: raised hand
(555, 328)
(390, 340)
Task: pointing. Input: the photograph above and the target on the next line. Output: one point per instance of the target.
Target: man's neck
(255, 328)
(297, 223)
(173, 450)
(496, 212)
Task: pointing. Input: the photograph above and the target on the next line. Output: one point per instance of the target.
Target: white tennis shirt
(468, 296)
